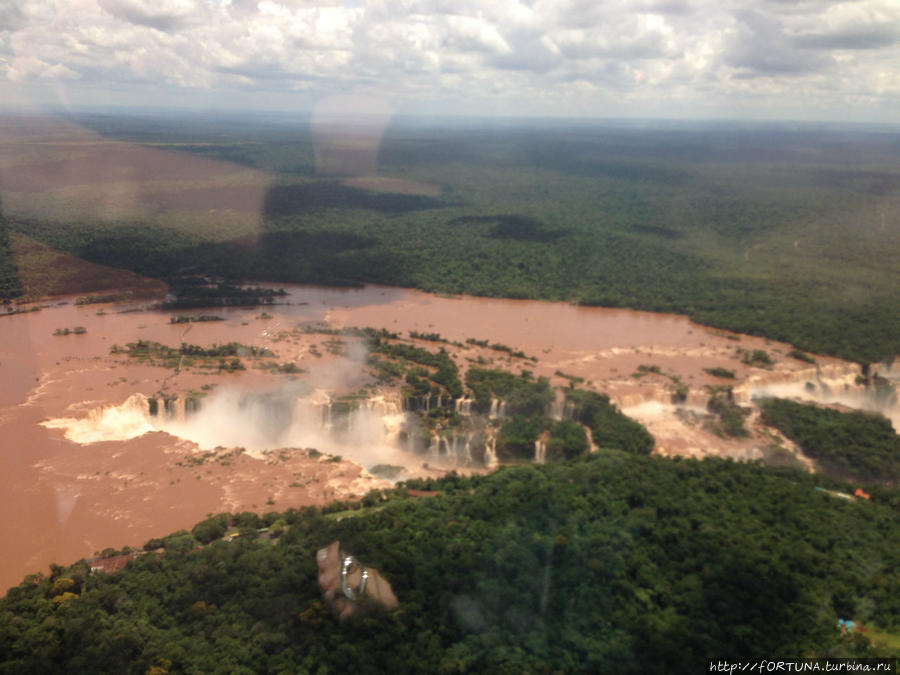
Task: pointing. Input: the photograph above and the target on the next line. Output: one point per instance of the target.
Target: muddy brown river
(79, 472)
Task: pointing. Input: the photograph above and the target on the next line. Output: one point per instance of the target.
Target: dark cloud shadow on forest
(331, 258)
(290, 200)
(512, 226)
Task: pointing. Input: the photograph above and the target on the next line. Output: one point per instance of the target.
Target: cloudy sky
(795, 59)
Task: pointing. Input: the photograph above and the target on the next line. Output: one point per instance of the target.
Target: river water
(66, 499)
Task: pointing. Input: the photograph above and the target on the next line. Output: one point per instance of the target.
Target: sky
(693, 59)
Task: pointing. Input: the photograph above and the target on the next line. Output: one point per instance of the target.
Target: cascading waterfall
(353, 427)
(540, 451)
(823, 385)
(108, 423)
(561, 409)
(463, 406)
(555, 410)
(498, 409)
(330, 422)
(490, 451)
(172, 408)
(434, 447)
(467, 452)
(874, 389)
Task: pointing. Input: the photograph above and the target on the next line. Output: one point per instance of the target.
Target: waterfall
(434, 447)
(384, 406)
(540, 451)
(842, 384)
(295, 417)
(169, 406)
(490, 452)
(191, 406)
(109, 423)
(180, 409)
(464, 406)
(495, 404)
(823, 387)
(561, 409)
(554, 410)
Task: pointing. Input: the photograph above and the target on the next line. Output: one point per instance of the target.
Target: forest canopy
(856, 445)
(608, 563)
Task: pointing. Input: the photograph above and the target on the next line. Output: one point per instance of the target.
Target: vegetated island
(850, 444)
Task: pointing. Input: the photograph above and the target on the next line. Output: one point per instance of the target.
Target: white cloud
(525, 56)
(467, 33)
(165, 15)
(30, 68)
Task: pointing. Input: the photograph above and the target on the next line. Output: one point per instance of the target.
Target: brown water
(70, 500)
(528, 324)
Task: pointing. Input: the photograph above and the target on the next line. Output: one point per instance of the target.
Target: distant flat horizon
(462, 120)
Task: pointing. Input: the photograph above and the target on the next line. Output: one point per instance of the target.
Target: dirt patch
(45, 271)
(240, 198)
(94, 160)
(55, 171)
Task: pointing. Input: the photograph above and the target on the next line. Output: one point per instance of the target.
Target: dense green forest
(785, 232)
(857, 445)
(10, 286)
(609, 427)
(200, 294)
(446, 374)
(523, 394)
(608, 563)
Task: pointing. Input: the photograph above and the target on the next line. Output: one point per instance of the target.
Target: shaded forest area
(609, 563)
(856, 445)
(768, 230)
